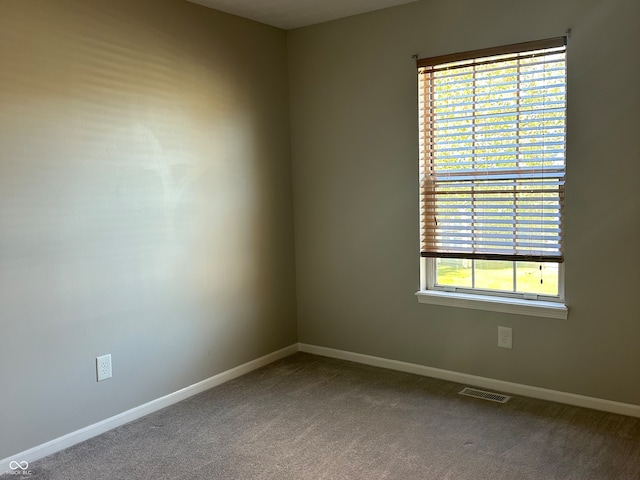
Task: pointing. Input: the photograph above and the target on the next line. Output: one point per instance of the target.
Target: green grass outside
(495, 275)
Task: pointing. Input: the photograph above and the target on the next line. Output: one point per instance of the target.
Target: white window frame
(490, 300)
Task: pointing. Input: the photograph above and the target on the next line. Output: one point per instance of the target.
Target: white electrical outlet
(103, 367)
(505, 337)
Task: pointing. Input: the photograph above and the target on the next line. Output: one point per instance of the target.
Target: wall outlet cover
(505, 337)
(103, 367)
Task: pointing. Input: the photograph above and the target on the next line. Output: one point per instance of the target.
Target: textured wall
(355, 153)
(145, 205)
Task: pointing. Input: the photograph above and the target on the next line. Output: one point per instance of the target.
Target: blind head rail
(493, 51)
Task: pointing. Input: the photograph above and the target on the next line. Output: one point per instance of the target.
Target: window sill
(516, 306)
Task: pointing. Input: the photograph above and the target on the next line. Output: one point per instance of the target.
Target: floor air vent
(494, 397)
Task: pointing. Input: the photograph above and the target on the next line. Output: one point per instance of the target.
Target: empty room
(320, 239)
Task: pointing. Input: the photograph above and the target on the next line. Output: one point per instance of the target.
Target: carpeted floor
(309, 417)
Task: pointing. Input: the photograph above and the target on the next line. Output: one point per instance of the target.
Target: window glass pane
(539, 278)
(494, 275)
(453, 272)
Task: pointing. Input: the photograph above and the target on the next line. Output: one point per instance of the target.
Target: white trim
(85, 433)
(483, 382)
(518, 306)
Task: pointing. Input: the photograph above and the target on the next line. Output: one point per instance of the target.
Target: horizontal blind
(493, 153)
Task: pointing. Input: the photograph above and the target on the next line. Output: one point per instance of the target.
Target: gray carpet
(309, 417)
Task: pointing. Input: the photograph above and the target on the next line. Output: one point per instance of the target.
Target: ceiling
(288, 14)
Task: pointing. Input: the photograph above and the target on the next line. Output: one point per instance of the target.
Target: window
(492, 150)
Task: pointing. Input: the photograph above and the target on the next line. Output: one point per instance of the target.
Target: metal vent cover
(492, 396)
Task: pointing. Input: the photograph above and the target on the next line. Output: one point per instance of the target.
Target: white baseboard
(85, 433)
(483, 382)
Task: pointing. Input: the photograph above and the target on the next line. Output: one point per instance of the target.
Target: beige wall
(145, 205)
(145, 200)
(354, 130)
